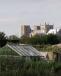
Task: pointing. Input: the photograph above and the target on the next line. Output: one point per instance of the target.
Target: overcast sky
(13, 13)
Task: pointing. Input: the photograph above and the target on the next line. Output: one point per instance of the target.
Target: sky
(14, 13)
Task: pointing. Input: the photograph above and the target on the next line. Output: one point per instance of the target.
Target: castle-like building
(38, 30)
(41, 29)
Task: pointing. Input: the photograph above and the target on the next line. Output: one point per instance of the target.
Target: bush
(37, 40)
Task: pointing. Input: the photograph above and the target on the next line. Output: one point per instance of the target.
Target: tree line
(38, 40)
(35, 40)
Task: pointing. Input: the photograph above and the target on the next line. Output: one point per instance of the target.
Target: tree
(3, 39)
(52, 39)
(24, 39)
(13, 39)
(38, 40)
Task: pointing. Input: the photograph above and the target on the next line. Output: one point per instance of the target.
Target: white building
(41, 29)
(54, 31)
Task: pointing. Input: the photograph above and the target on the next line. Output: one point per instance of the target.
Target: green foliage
(52, 39)
(25, 39)
(37, 40)
(3, 39)
(48, 48)
(13, 39)
(21, 66)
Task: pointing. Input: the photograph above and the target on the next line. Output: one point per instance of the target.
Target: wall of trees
(37, 40)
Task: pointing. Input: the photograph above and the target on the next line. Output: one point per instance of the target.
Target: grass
(20, 66)
(48, 48)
